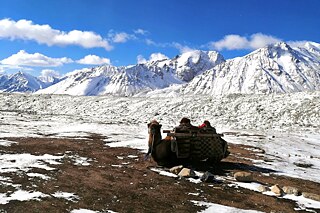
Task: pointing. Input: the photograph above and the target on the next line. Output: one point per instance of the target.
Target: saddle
(194, 144)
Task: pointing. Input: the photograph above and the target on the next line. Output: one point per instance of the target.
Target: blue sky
(58, 36)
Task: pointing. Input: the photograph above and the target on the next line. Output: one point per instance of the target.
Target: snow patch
(66, 195)
(164, 173)
(21, 195)
(24, 162)
(213, 207)
(6, 143)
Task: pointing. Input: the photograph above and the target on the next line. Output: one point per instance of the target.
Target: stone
(311, 196)
(291, 190)
(176, 169)
(277, 190)
(185, 172)
(243, 176)
(263, 188)
(208, 177)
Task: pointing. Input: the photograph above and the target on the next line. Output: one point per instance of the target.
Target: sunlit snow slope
(23, 82)
(276, 68)
(140, 78)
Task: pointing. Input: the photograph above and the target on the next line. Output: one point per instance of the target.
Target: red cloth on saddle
(202, 125)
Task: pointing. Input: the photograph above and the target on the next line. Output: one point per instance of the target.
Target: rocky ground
(119, 179)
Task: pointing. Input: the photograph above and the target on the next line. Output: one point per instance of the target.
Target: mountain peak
(22, 82)
(140, 78)
(195, 55)
(282, 45)
(273, 51)
(275, 68)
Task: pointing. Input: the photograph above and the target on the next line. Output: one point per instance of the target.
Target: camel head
(159, 149)
(154, 130)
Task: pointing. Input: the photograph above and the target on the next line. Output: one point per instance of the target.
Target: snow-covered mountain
(23, 82)
(276, 68)
(140, 78)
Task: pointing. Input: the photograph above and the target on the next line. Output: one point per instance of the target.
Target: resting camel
(160, 149)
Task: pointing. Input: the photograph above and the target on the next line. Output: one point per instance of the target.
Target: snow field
(286, 126)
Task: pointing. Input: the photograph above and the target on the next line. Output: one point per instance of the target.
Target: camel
(165, 153)
(160, 149)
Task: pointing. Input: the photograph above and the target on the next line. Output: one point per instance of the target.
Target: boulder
(208, 177)
(291, 190)
(311, 196)
(263, 188)
(243, 176)
(277, 190)
(187, 173)
(176, 169)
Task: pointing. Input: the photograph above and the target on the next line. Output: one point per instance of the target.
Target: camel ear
(149, 125)
(160, 126)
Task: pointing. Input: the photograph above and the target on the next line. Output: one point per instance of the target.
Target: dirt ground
(119, 182)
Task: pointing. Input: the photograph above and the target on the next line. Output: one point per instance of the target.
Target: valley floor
(85, 154)
(85, 174)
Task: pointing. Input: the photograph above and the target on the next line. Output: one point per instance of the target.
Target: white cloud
(5, 68)
(259, 40)
(150, 42)
(141, 59)
(297, 43)
(44, 34)
(153, 57)
(94, 60)
(157, 57)
(140, 31)
(47, 73)
(182, 48)
(121, 37)
(237, 42)
(22, 58)
(176, 45)
(231, 42)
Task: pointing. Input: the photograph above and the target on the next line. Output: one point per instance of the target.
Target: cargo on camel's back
(186, 144)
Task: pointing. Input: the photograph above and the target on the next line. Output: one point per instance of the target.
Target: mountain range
(24, 82)
(277, 68)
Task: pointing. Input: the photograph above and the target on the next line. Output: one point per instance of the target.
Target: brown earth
(120, 183)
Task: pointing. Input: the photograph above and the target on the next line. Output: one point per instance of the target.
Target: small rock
(187, 173)
(263, 188)
(176, 169)
(207, 177)
(311, 196)
(291, 190)
(303, 165)
(243, 176)
(277, 190)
